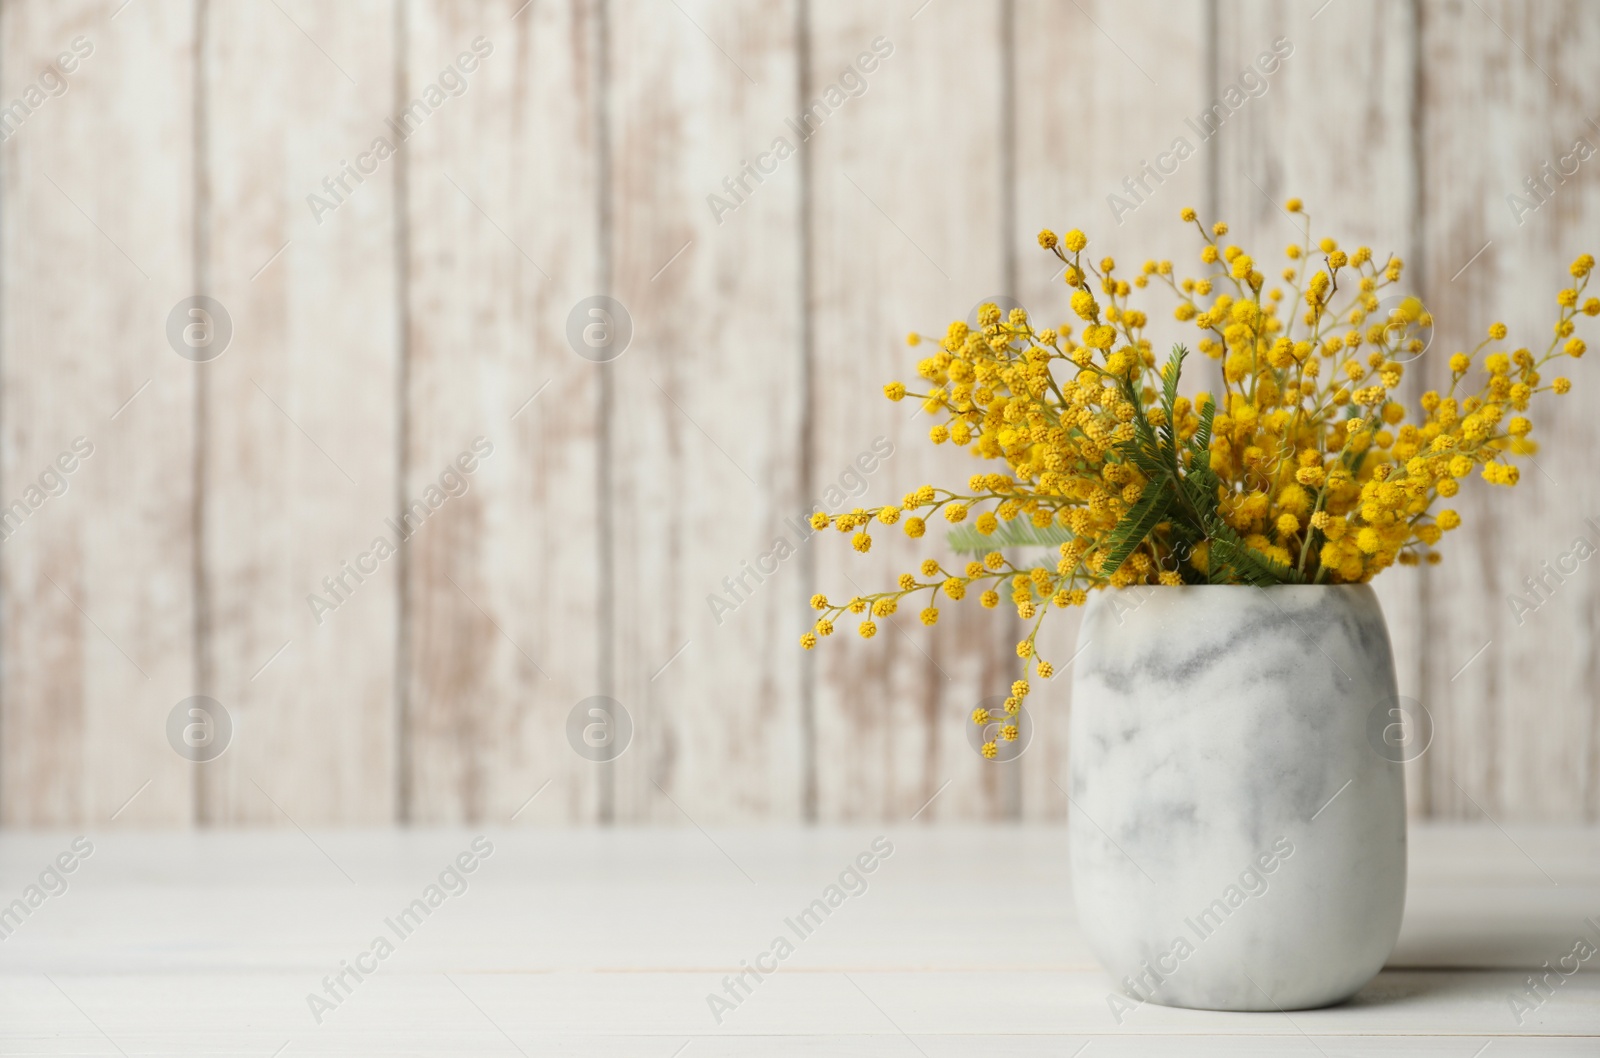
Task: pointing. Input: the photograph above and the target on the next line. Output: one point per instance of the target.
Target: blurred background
(409, 410)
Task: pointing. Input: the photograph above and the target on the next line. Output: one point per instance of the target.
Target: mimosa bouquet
(1302, 469)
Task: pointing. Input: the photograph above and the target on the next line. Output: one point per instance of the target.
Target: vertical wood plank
(706, 410)
(1504, 92)
(501, 582)
(1345, 91)
(95, 248)
(909, 219)
(299, 449)
(1154, 53)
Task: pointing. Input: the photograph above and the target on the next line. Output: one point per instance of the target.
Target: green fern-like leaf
(1200, 490)
(966, 540)
(1200, 443)
(1144, 458)
(1169, 392)
(1138, 523)
(1248, 566)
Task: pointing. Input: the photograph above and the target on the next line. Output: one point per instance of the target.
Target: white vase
(1238, 838)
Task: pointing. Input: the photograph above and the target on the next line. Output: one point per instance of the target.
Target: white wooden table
(609, 942)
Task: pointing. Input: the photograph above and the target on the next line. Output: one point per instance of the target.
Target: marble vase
(1238, 834)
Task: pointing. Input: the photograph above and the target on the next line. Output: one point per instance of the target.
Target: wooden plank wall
(713, 387)
(632, 525)
(97, 585)
(500, 585)
(906, 237)
(292, 470)
(1519, 730)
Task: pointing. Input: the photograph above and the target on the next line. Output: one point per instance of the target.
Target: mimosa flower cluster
(1304, 468)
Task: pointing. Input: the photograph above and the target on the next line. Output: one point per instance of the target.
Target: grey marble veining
(1237, 840)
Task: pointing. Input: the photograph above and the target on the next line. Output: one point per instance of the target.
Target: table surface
(609, 942)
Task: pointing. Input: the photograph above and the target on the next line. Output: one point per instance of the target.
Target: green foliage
(1180, 497)
(1140, 521)
(966, 540)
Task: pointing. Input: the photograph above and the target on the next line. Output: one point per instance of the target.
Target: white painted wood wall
(372, 347)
